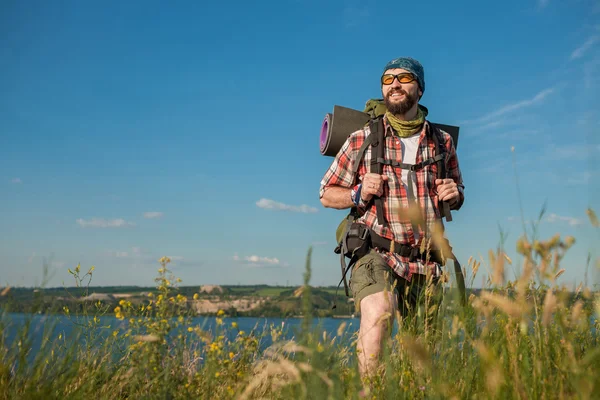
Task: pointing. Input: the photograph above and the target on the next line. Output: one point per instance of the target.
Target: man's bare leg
(376, 321)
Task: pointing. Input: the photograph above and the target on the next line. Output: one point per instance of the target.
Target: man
(384, 282)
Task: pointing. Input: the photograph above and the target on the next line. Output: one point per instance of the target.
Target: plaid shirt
(395, 195)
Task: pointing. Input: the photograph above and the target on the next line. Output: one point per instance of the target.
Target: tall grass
(529, 338)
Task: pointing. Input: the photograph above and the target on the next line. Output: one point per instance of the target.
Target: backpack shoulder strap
(438, 139)
(377, 160)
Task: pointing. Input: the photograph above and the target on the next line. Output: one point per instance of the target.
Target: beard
(402, 107)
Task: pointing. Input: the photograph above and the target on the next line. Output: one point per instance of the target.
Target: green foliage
(526, 338)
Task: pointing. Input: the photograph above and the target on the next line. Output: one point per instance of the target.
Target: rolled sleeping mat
(340, 124)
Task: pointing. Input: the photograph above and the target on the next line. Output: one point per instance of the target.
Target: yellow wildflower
(219, 321)
(190, 329)
(196, 296)
(220, 313)
(234, 325)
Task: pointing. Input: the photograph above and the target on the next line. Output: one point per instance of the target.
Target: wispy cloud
(16, 180)
(258, 261)
(538, 98)
(552, 218)
(590, 73)
(153, 214)
(104, 223)
(543, 3)
(274, 205)
(573, 151)
(581, 50)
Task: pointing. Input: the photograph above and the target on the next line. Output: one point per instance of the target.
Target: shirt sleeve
(339, 172)
(453, 169)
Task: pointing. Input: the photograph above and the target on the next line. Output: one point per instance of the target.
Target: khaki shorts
(371, 274)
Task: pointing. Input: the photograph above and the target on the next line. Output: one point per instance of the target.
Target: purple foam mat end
(324, 131)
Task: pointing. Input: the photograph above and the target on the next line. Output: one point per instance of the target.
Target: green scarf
(407, 128)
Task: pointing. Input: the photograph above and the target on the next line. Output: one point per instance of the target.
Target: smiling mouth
(397, 94)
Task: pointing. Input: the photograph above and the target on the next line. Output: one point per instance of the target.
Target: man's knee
(378, 308)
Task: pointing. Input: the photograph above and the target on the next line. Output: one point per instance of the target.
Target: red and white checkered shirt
(394, 196)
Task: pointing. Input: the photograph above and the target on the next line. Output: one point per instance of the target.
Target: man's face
(400, 97)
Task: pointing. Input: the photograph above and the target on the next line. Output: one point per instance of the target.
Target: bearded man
(386, 281)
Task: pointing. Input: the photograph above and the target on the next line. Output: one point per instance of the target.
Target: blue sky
(133, 130)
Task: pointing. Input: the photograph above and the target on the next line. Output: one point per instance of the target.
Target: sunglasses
(404, 77)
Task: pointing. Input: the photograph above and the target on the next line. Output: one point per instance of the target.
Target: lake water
(49, 327)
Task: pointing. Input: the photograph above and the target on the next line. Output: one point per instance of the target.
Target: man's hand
(447, 190)
(372, 185)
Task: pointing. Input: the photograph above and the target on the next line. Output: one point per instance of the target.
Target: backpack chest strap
(411, 167)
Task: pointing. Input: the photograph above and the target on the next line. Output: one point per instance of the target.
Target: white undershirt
(409, 155)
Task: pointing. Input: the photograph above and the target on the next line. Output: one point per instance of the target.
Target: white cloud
(538, 98)
(581, 50)
(16, 180)
(104, 223)
(274, 205)
(258, 261)
(558, 218)
(153, 214)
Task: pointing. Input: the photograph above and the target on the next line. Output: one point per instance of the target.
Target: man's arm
(338, 197)
(339, 187)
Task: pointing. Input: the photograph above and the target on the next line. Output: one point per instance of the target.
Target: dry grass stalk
(278, 371)
(593, 218)
(549, 307)
(493, 372)
(576, 311)
(497, 263)
(417, 352)
(146, 338)
(511, 308)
